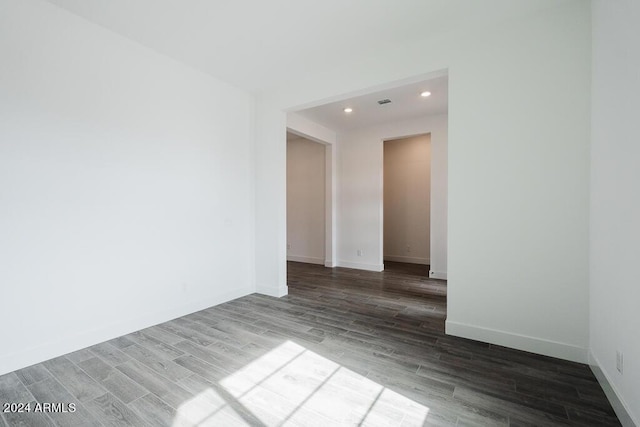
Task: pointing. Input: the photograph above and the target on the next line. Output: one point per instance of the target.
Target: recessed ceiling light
(425, 94)
(348, 110)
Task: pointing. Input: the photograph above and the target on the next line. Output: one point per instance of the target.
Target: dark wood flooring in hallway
(345, 347)
(395, 322)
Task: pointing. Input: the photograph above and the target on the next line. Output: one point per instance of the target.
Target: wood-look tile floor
(345, 347)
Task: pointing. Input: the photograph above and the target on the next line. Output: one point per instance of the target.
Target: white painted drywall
(305, 201)
(125, 186)
(518, 150)
(519, 187)
(360, 159)
(270, 206)
(615, 197)
(407, 204)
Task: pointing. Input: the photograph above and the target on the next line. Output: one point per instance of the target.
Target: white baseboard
(272, 291)
(305, 259)
(619, 405)
(407, 259)
(70, 343)
(329, 263)
(438, 274)
(520, 342)
(361, 266)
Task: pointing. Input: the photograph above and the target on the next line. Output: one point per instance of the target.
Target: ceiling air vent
(384, 101)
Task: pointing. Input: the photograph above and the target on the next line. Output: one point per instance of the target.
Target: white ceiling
(406, 103)
(257, 44)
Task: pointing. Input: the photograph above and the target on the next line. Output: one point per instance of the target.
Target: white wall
(305, 201)
(519, 188)
(518, 150)
(125, 186)
(615, 199)
(407, 204)
(270, 208)
(360, 159)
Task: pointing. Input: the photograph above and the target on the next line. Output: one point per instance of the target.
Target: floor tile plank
(51, 391)
(153, 411)
(33, 374)
(108, 353)
(28, 419)
(81, 385)
(113, 413)
(113, 380)
(12, 390)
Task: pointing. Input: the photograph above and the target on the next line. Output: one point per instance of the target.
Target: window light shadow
(291, 385)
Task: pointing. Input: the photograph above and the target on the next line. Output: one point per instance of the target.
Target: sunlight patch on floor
(208, 408)
(291, 385)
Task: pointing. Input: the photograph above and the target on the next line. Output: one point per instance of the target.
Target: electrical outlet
(408, 249)
(619, 361)
(359, 252)
(288, 246)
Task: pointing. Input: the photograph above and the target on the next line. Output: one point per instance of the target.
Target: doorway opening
(356, 127)
(407, 203)
(306, 200)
